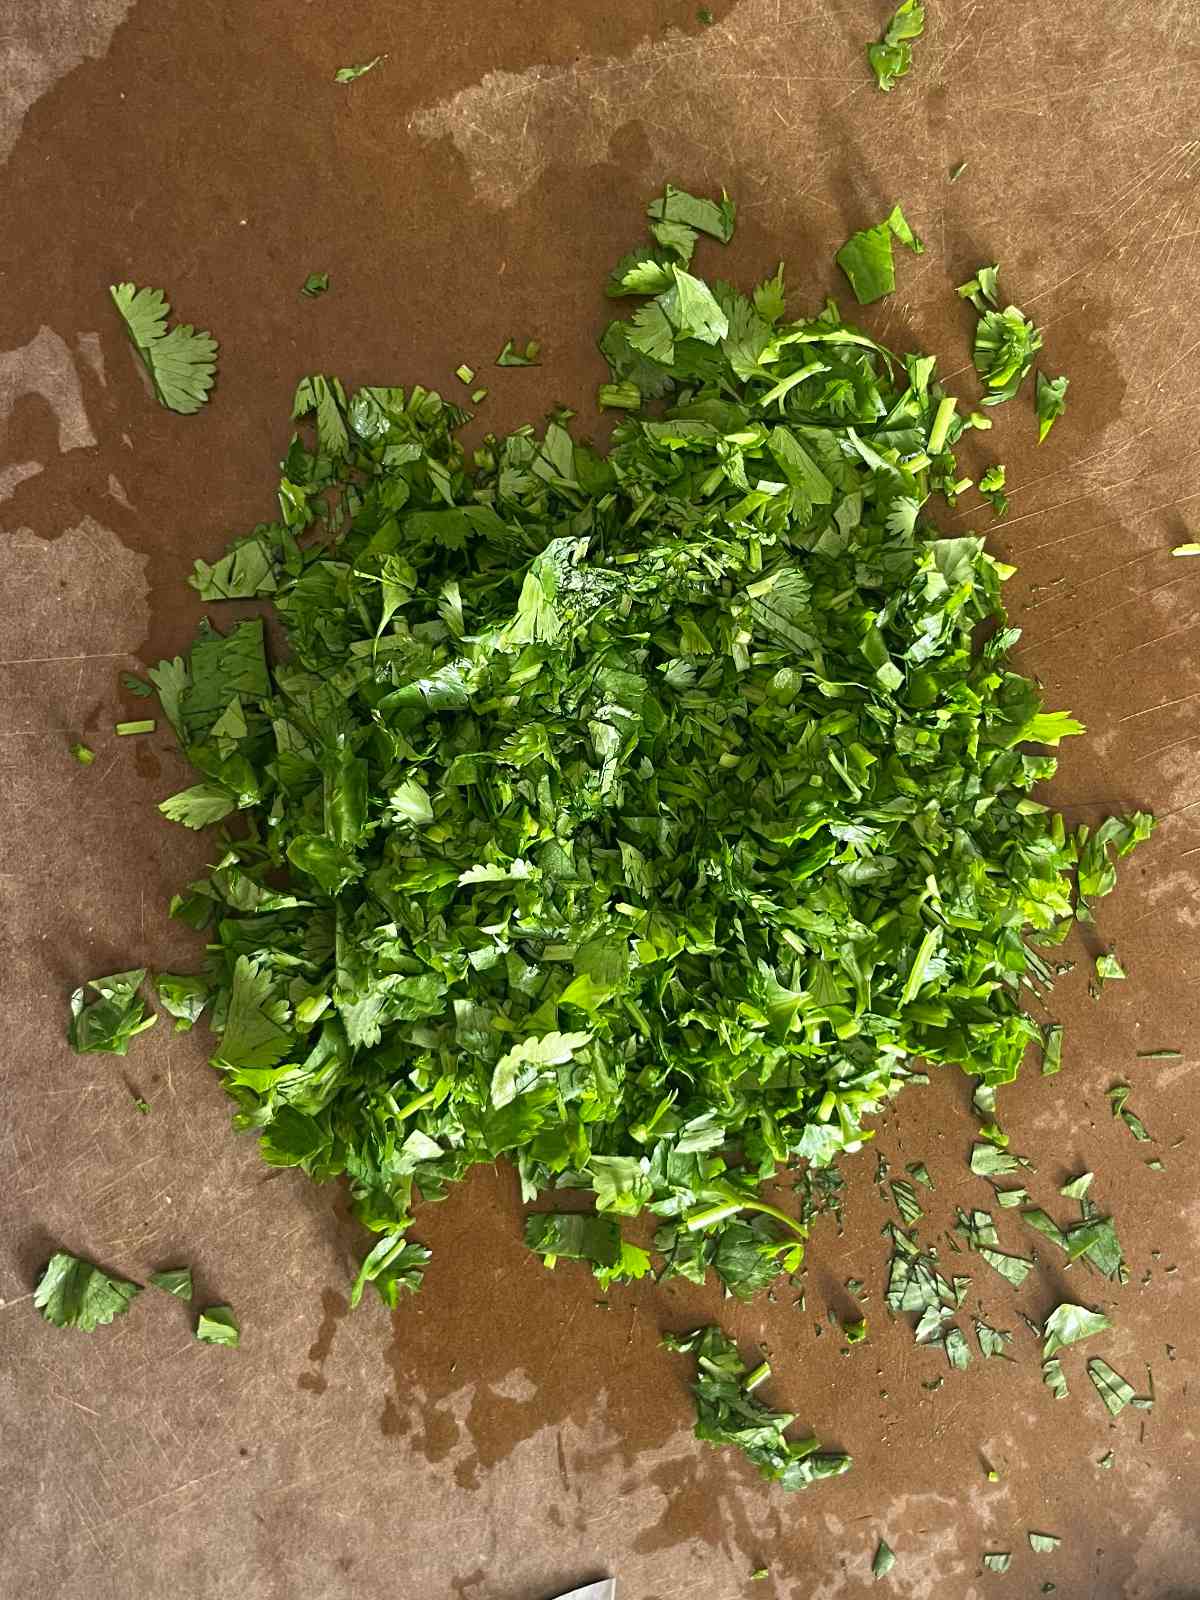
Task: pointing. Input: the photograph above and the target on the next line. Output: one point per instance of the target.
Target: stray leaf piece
(997, 1560)
(1054, 1378)
(987, 1161)
(958, 1352)
(919, 1171)
(866, 257)
(142, 1105)
(885, 1559)
(136, 686)
(957, 171)
(145, 725)
(317, 283)
(619, 397)
(1117, 1097)
(905, 1197)
(1052, 1047)
(1076, 1188)
(108, 1024)
(1160, 1055)
(991, 486)
(181, 363)
(1191, 549)
(175, 1280)
(1015, 1268)
(478, 396)
(891, 58)
(1005, 340)
(83, 755)
(349, 74)
(74, 1293)
(1043, 1543)
(511, 356)
(1106, 1461)
(1051, 402)
(759, 1574)
(182, 996)
(1067, 1324)
(465, 374)
(727, 1413)
(1107, 969)
(217, 1326)
(1110, 1386)
(992, 1341)
(855, 1332)
(395, 1263)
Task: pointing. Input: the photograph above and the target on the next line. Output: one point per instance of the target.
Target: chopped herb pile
(638, 817)
(728, 1413)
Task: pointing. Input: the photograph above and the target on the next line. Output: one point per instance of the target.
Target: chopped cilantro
(83, 754)
(997, 1560)
(1118, 1095)
(175, 1280)
(1005, 340)
(317, 283)
(866, 257)
(991, 486)
(1044, 1543)
(885, 1559)
(1108, 968)
(108, 1024)
(1051, 402)
(512, 356)
(73, 1293)
(145, 725)
(349, 74)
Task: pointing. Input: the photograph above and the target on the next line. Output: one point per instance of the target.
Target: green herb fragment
(478, 396)
(511, 356)
(1110, 1386)
(141, 1105)
(1192, 549)
(1010, 1198)
(74, 1293)
(175, 1280)
(106, 1025)
(906, 1201)
(1067, 1324)
(704, 15)
(182, 997)
(1160, 1055)
(1051, 402)
(759, 1574)
(349, 74)
(1044, 1543)
(146, 725)
(1005, 340)
(1106, 1461)
(1015, 1268)
(83, 754)
(465, 374)
(866, 257)
(992, 1341)
(891, 58)
(726, 1413)
(987, 1161)
(1076, 1188)
(855, 1332)
(1108, 968)
(395, 1262)
(997, 1560)
(1155, 1165)
(1054, 1378)
(317, 283)
(919, 1171)
(619, 397)
(991, 486)
(885, 1560)
(218, 1326)
(1043, 1223)
(958, 1352)
(136, 686)
(957, 171)
(181, 363)
(1117, 1097)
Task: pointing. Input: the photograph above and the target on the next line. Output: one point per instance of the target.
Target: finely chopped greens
(637, 816)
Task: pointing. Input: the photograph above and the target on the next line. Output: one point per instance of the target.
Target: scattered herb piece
(891, 58)
(1052, 1047)
(136, 686)
(726, 1413)
(1044, 1543)
(511, 356)
(907, 1204)
(1043, 1223)
(619, 397)
(1106, 1461)
(465, 374)
(146, 725)
(1067, 1324)
(181, 363)
(957, 171)
(1010, 1198)
(141, 1105)
(349, 74)
(217, 1326)
(919, 1171)
(1005, 340)
(83, 754)
(1117, 1097)
(855, 1332)
(478, 396)
(704, 15)
(1076, 1188)
(1192, 549)
(1015, 1268)
(991, 486)
(1110, 1386)
(885, 1560)
(1051, 402)
(958, 1352)
(182, 997)
(74, 1293)
(866, 258)
(1054, 1378)
(108, 1024)
(395, 1263)
(987, 1161)
(175, 1280)
(997, 1560)
(317, 283)
(759, 1573)
(1160, 1055)
(1108, 968)
(992, 1341)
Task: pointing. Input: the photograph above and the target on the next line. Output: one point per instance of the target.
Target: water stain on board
(335, 1307)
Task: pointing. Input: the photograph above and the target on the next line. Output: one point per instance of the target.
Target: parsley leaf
(110, 1022)
(73, 1293)
(866, 257)
(181, 362)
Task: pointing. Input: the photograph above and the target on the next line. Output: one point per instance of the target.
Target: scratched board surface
(501, 1436)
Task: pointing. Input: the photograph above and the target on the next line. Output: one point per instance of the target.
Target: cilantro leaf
(108, 1024)
(316, 284)
(74, 1293)
(349, 74)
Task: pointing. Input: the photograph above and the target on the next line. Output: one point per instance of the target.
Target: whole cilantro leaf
(74, 1293)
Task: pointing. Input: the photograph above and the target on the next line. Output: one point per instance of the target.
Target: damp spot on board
(334, 1307)
(44, 366)
(43, 43)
